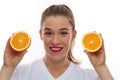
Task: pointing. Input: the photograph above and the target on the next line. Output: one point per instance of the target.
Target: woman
(58, 34)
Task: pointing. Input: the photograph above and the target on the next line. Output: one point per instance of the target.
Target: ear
(40, 32)
(74, 34)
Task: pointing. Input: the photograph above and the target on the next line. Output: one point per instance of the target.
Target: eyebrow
(47, 29)
(64, 29)
(60, 29)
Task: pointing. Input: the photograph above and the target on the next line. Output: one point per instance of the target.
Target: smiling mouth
(56, 49)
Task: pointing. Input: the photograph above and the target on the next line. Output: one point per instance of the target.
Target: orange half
(20, 41)
(92, 41)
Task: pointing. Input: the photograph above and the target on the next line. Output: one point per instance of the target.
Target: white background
(90, 15)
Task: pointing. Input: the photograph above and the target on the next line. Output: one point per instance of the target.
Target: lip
(56, 49)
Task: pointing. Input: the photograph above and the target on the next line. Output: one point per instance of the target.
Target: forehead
(56, 22)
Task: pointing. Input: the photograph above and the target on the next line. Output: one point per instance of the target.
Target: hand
(12, 57)
(97, 58)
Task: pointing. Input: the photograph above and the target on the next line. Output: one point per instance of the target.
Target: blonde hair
(63, 10)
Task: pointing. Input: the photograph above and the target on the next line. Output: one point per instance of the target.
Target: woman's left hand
(97, 58)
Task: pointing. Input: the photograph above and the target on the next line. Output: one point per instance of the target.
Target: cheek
(45, 40)
(67, 40)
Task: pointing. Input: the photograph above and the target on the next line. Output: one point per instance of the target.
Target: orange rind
(92, 41)
(20, 41)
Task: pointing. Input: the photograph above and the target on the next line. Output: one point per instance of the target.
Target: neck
(56, 68)
(56, 64)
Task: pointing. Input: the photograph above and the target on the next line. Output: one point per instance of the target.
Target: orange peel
(20, 41)
(92, 41)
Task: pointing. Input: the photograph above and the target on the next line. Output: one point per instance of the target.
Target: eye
(48, 33)
(63, 33)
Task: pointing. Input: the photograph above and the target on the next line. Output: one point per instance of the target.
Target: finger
(88, 53)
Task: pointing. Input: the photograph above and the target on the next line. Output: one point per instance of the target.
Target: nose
(55, 39)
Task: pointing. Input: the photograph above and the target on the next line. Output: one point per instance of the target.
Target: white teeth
(55, 48)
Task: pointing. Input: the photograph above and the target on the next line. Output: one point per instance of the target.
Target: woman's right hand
(11, 57)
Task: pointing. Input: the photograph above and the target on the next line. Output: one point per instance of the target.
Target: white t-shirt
(38, 71)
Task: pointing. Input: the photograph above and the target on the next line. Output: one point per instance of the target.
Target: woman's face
(57, 35)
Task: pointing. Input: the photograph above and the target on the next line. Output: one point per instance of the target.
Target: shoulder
(26, 69)
(32, 64)
(84, 72)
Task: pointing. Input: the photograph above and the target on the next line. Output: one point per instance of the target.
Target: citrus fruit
(92, 41)
(20, 41)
